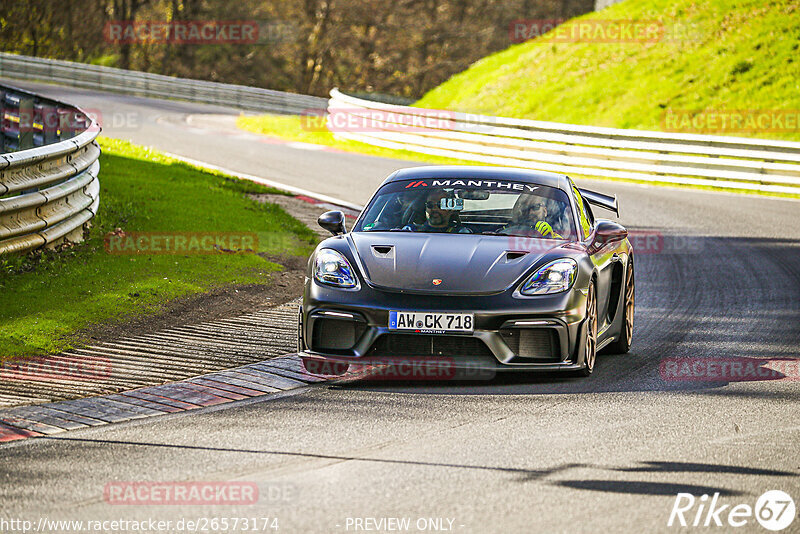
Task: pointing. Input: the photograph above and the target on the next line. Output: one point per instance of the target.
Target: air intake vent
(532, 345)
(514, 255)
(383, 251)
(335, 334)
(414, 345)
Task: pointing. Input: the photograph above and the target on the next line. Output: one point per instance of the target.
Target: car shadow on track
(518, 474)
(640, 487)
(615, 374)
(648, 487)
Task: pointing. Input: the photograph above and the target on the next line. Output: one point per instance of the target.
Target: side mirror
(605, 233)
(332, 221)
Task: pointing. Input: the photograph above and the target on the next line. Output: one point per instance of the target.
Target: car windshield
(466, 206)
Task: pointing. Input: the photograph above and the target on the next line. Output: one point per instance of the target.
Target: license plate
(428, 322)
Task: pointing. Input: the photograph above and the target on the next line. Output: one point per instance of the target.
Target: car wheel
(590, 333)
(323, 368)
(623, 344)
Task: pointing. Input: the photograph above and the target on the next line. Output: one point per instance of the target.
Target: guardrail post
(66, 124)
(50, 123)
(3, 122)
(25, 123)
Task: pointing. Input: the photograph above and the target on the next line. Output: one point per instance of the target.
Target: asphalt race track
(718, 276)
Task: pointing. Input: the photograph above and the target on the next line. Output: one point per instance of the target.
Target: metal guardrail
(725, 162)
(48, 171)
(155, 85)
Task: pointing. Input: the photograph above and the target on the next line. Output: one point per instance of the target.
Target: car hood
(464, 263)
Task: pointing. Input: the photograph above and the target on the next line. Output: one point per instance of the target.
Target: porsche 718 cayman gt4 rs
(491, 268)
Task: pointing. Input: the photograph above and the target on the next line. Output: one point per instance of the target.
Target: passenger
(530, 213)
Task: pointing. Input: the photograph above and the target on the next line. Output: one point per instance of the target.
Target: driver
(530, 213)
(438, 219)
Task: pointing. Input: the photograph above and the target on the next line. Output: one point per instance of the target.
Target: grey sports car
(487, 267)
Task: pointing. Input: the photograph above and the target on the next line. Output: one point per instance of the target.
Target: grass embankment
(47, 298)
(715, 55)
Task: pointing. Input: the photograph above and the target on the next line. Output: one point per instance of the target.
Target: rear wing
(599, 199)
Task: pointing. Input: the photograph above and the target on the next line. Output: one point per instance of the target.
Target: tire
(623, 343)
(590, 333)
(323, 368)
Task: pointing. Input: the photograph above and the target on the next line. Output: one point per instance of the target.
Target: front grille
(335, 334)
(428, 345)
(532, 344)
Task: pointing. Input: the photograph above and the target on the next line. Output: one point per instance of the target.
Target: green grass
(716, 55)
(48, 297)
(739, 55)
(293, 128)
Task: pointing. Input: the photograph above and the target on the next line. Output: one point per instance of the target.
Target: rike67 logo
(774, 510)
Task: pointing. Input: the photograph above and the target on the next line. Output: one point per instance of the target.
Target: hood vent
(383, 251)
(513, 255)
(472, 264)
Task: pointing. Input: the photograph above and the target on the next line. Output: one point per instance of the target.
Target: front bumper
(541, 333)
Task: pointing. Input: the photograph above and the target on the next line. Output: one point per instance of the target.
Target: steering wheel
(411, 211)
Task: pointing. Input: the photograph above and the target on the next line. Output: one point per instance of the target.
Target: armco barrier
(48, 171)
(154, 85)
(725, 162)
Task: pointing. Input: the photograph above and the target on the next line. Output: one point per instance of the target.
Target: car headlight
(554, 277)
(332, 268)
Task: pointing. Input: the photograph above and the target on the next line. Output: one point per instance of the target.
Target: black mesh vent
(335, 334)
(532, 344)
(427, 345)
